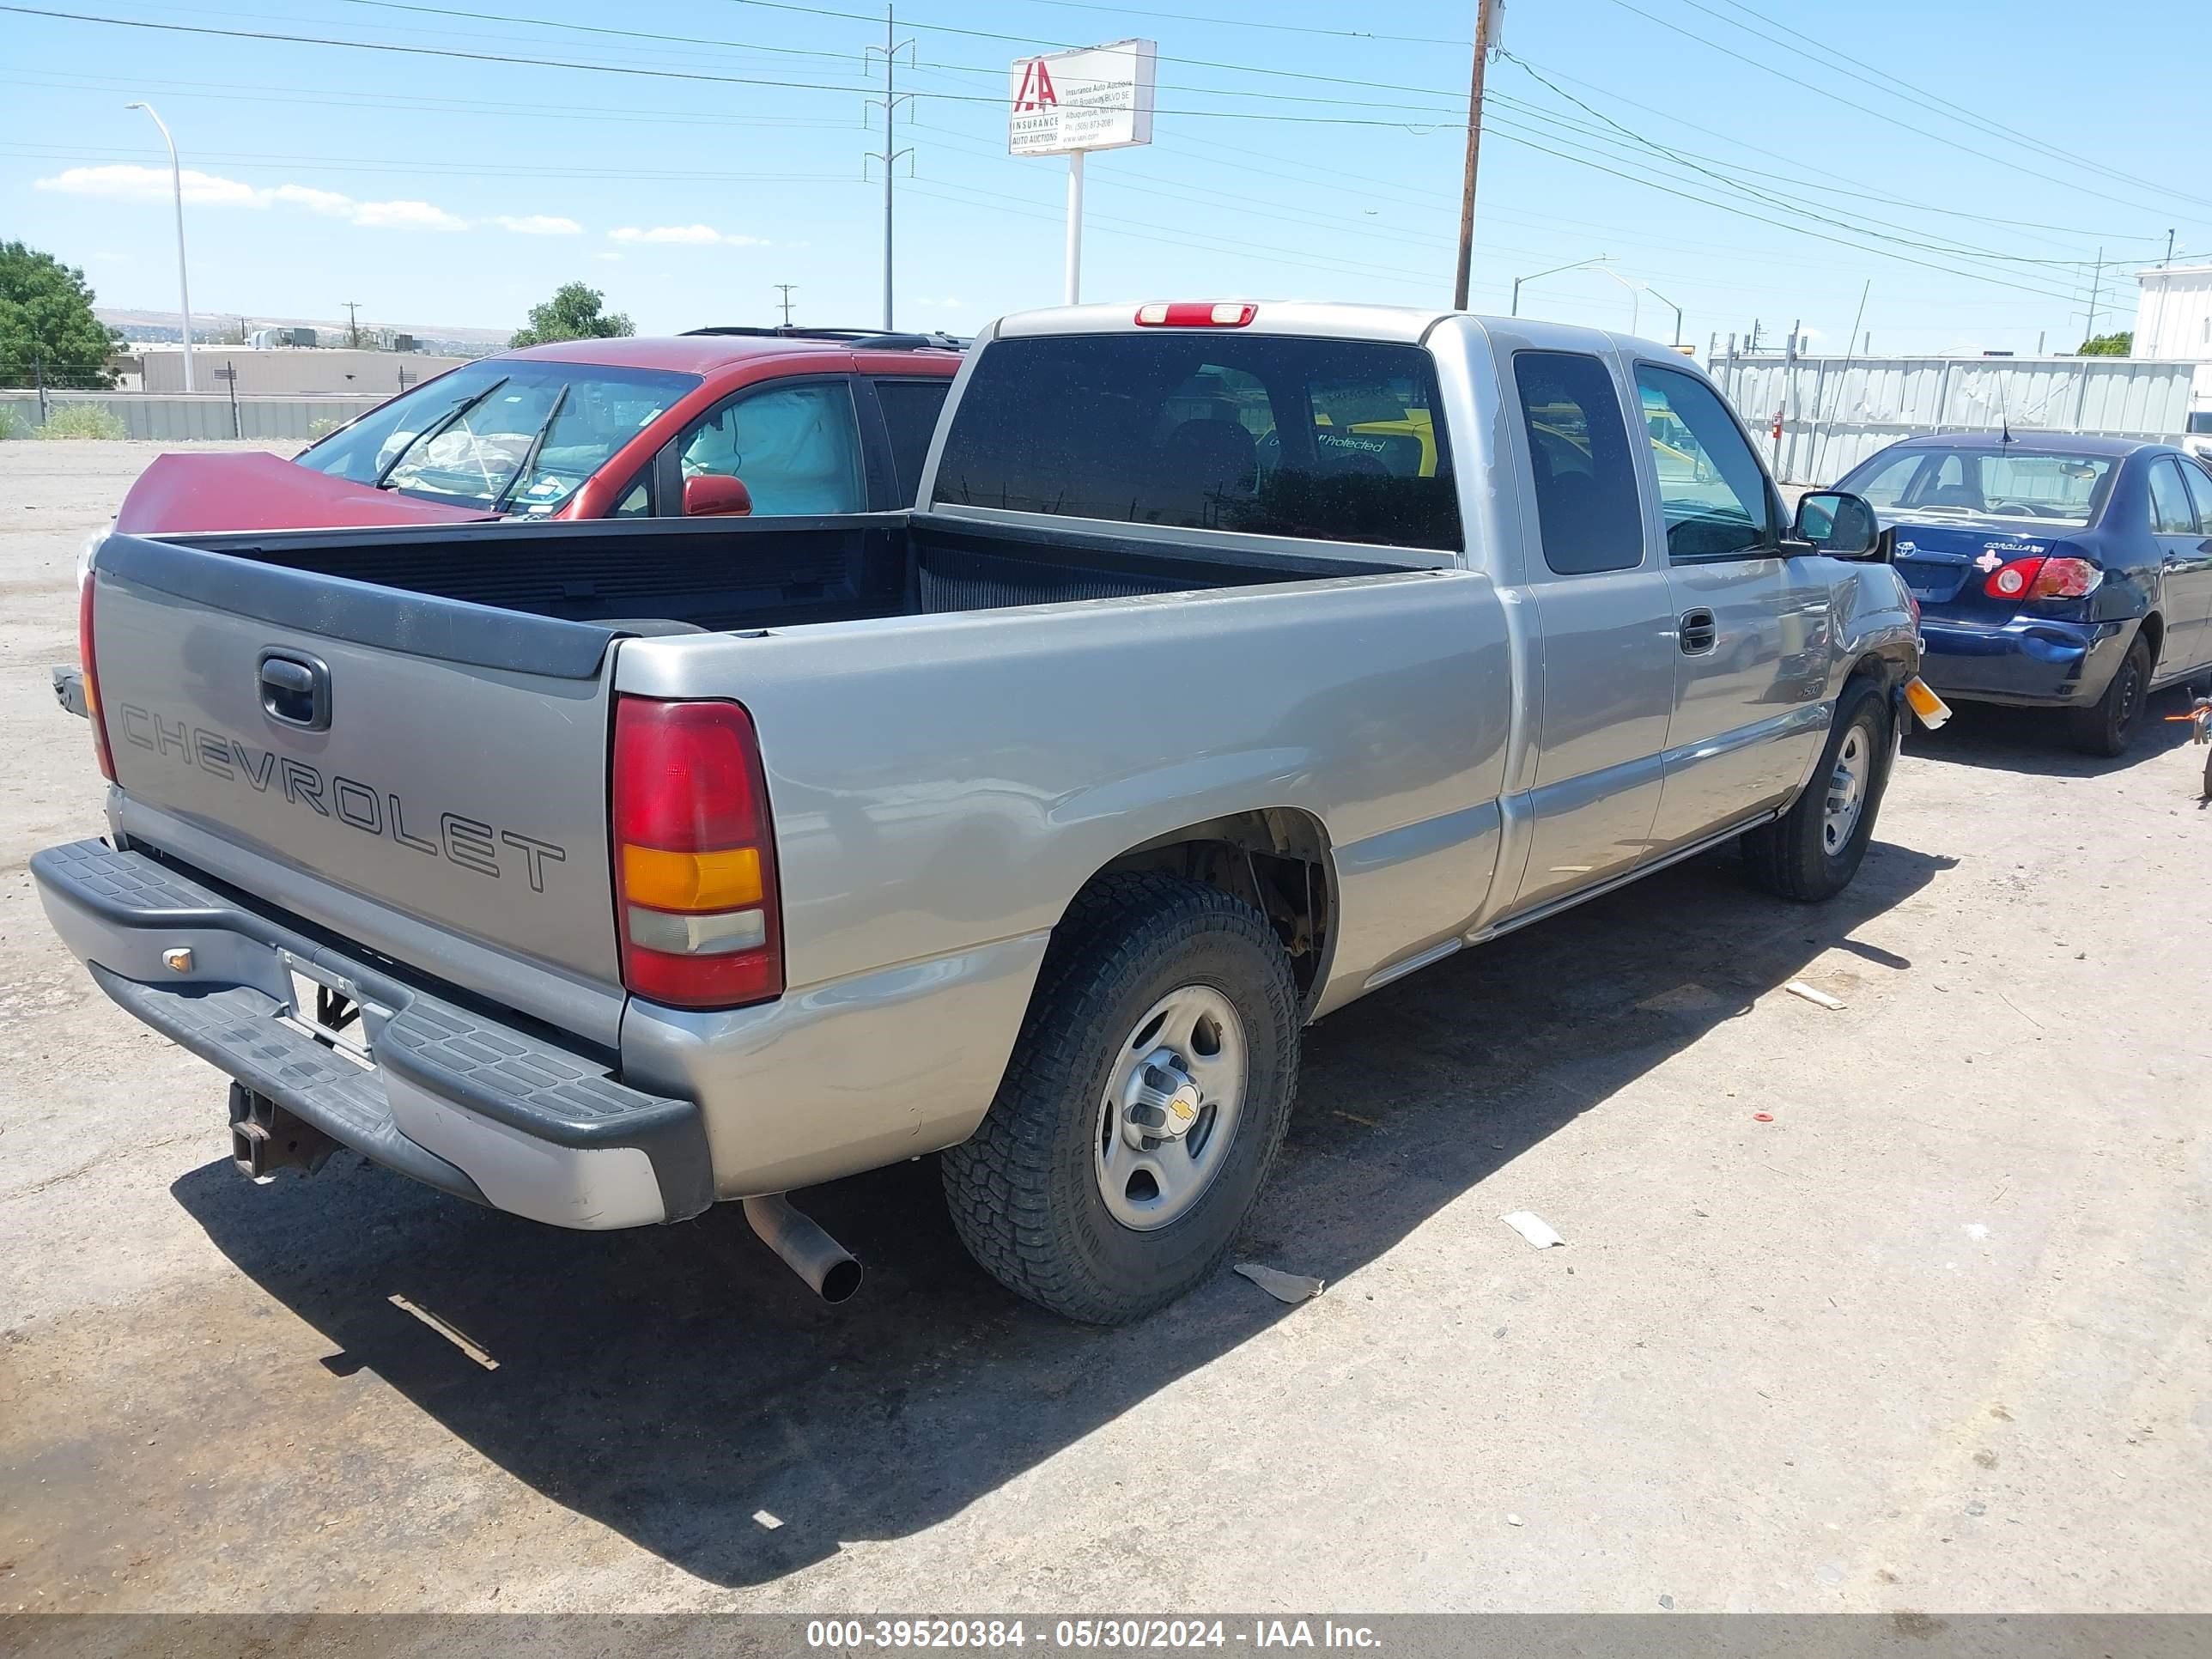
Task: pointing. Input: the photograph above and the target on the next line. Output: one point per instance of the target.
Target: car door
(795, 444)
(1599, 592)
(2181, 519)
(1750, 626)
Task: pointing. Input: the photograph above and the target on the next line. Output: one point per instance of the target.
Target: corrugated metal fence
(1836, 411)
(180, 419)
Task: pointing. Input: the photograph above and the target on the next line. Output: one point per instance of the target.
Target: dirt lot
(1935, 1338)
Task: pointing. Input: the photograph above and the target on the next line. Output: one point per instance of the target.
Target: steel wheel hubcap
(1170, 1108)
(1846, 790)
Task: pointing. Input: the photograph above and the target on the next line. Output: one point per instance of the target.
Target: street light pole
(1672, 307)
(1536, 275)
(176, 185)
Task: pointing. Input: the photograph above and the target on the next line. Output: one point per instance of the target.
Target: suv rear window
(1327, 440)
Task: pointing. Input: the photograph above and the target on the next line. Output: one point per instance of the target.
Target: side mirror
(711, 495)
(1839, 524)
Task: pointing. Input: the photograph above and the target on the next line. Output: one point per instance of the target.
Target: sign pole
(1074, 227)
(1070, 103)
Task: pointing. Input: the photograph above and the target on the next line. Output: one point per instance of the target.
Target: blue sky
(1310, 151)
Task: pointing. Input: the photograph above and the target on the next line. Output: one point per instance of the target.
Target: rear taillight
(1197, 313)
(695, 856)
(2043, 579)
(92, 678)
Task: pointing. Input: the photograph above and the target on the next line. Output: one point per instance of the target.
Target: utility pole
(785, 289)
(2096, 289)
(890, 157)
(2169, 250)
(353, 327)
(1483, 9)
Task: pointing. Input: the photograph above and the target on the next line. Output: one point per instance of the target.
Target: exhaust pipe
(816, 1257)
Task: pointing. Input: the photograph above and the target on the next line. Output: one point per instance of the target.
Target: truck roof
(1333, 319)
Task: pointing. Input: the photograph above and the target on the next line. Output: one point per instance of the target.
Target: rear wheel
(2108, 726)
(1146, 1097)
(1812, 851)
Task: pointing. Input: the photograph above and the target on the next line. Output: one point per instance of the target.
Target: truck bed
(716, 575)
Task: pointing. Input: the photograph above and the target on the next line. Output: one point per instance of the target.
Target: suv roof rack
(882, 339)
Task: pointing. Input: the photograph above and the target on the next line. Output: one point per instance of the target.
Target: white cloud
(138, 184)
(538, 224)
(405, 216)
(608, 258)
(691, 235)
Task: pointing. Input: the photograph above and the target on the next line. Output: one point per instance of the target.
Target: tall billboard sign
(1069, 103)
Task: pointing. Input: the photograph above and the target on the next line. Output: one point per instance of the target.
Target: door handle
(295, 688)
(1696, 632)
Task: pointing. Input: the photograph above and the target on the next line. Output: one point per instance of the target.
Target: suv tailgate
(426, 776)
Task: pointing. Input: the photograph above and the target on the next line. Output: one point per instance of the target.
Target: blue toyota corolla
(2071, 572)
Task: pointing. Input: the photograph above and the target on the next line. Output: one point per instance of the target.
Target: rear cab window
(1323, 440)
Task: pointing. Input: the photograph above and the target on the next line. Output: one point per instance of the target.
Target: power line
(1801, 230)
(694, 42)
(1769, 196)
(1888, 81)
(632, 69)
(1250, 23)
(1833, 97)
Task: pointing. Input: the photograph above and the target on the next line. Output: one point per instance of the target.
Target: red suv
(718, 420)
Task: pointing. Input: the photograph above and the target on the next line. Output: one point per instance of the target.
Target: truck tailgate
(443, 761)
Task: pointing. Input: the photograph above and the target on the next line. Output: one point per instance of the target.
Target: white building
(2173, 320)
(2173, 313)
(290, 372)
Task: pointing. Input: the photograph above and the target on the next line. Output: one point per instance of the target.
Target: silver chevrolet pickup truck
(1238, 661)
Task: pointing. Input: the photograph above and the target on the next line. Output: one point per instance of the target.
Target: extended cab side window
(1713, 496)
(1333, 440)
(796, 447)
(1587, 512)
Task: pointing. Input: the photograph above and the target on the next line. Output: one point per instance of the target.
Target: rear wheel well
(1275, 860)
(2154, 635)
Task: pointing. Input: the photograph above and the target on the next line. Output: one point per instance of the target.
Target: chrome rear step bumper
(460, 1101)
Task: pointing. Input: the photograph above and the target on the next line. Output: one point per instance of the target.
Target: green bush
(322, 426)
(10, 427)
(83, 421)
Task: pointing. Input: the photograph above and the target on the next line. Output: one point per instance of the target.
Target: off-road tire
(1022, 1190)
(2107, 725)
(1788, 857)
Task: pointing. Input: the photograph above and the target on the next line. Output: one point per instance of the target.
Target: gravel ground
(1934, 1339)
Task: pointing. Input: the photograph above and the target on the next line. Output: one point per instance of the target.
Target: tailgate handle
(295, 690)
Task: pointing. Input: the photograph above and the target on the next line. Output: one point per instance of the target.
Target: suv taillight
(92, 678)
(695, 856)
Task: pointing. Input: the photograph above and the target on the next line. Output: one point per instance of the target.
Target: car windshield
(514, 434)
(2040, 485)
